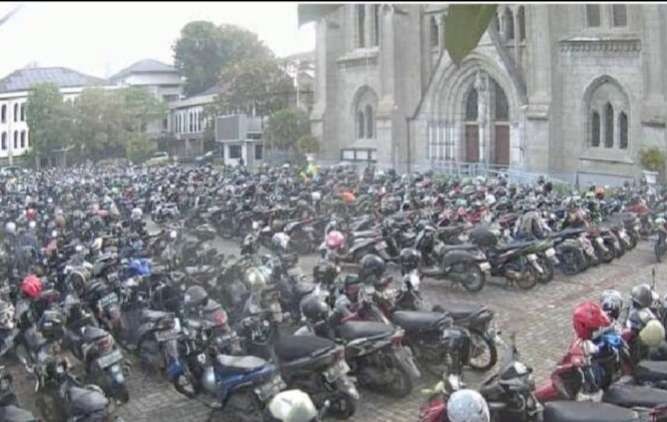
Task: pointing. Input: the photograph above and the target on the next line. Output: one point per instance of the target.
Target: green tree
(48, 118)
(285, 127)
(308, 144)
(203, 49)
(139, 147)
(257, 83)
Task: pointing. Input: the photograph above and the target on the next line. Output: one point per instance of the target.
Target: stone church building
(570, 90)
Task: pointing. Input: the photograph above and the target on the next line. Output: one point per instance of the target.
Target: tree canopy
(203, 49)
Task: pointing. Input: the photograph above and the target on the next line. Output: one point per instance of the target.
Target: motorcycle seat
(461, 247)
(627, 395)
(649, 370)
(303, 288)
(149, 315)
(352, 330)
(450, 231)
(13, 413)
(418, 321)
(461, 310)
(240, 363)
(365, 234)
(573, 411)
(196, 270)
(289, 348)
(91, 334)
(513, 245)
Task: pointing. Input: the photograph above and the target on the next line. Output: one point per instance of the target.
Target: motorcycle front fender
(346, 385)
(547, 392)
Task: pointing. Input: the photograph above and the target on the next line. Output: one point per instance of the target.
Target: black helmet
(642, 296)
(325, 272)
(371, 266)
(195, 296)
(314, 308)
(249, 245)
(51, 324)
(611, 302)
(409, 259)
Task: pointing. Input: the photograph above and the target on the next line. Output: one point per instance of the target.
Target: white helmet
(280, 241)
(467, 406)
(137, 214)
(292, 406)
(10, 228)
(653, 334)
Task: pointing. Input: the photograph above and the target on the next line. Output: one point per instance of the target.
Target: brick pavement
(541, 318)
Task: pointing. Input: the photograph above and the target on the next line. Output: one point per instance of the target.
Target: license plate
(109, 299)
(532, 257)
(341, 368)
(109, 359)
(485, 267)
(167, 335)
(550, 253)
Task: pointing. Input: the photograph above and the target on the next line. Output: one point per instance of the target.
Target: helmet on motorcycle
(653, 333)
(409, 259)
(10, 228)
(589, 318)
(195, 296)
(599, 192)
(467, 406)
(6, 315)
(335, 239)
(137, 214)
(325, 272)
(31, 214)
(31, 286)
(348, 197)
(51, 324)
(60, 221)
(314, 308)
(371, 266)
(642, 296)
(611, 302)
(255, 279)
(280, 242)
(249, 245)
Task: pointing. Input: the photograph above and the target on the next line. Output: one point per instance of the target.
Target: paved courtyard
(540, 317)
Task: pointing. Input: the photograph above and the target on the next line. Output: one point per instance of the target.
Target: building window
(361, 25)
(27, 140)
(235, 152)
(376, 24)
(609, 126)
(23, 139)
(471, 106)
(370, 122)
(361, 122)
(165, 123)
(593, 15)
(501, 107)
(521, 18)
(433, 32)
(623, 130)
(16, 112)
(23, 112)
(259, 152)
(595, 129)
(16, 139)
(3, 113)
(4, 141)
(619, 14)
(508, 19)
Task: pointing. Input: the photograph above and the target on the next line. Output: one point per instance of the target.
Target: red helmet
(31, 214)
(31, 286)
(348, 197)
(588, 318)
(335, 239)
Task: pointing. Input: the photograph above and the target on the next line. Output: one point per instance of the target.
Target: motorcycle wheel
(481, 343)
(572, 262)
(226, 230)
(607, 256)
(342, 406)
(473, 278)
(547, 270)
(121, 393)
(633, 240)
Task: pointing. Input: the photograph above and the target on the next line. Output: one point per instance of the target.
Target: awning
(309, 12)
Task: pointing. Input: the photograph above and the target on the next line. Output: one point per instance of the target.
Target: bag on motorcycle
(483, 237)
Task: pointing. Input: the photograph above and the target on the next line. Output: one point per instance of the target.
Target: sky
(101, 38)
